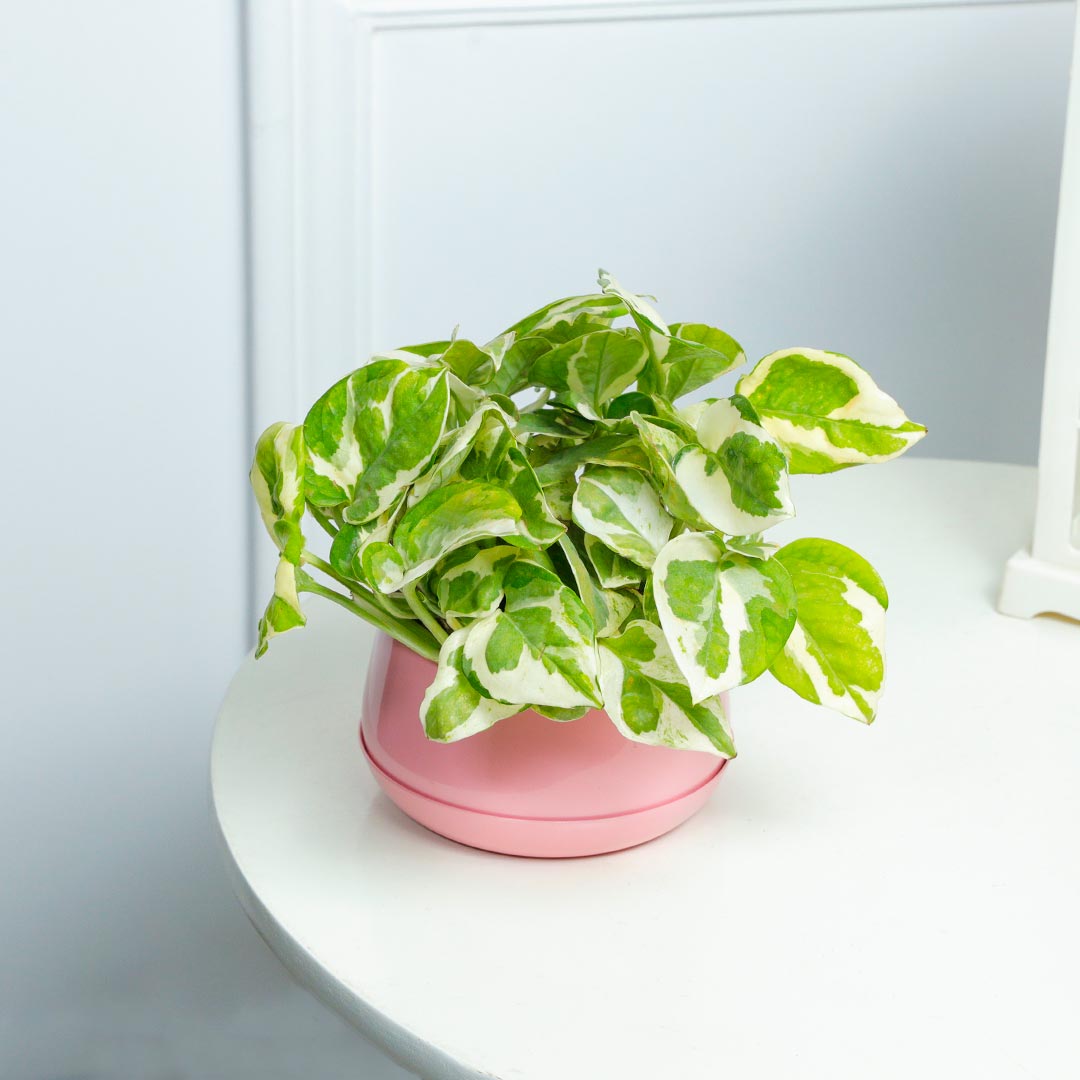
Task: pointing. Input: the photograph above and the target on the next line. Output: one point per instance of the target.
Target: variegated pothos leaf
(372, 434)
(648, 700)
(453, 708)
(469, 582)
(725, 616)
(621, 508)
(540, 648)
(449, 518)
(283, 612)
(277, 478)
(591, 370)
(736, 475)
(835, 654)
(826, 412)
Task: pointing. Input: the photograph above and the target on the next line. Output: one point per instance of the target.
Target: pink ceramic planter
(528, 785)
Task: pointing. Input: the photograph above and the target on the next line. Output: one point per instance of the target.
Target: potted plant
(570, 565)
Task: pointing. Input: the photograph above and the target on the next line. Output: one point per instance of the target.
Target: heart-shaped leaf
(726, 617)
(452, 708)
(646, 698)
(736, 475)
(826, 412)
(621, 508)
(590, 371)
(835, 654)
(539, 649)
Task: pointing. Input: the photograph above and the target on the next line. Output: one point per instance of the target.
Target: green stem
(423, 614)
(321, 564)
(414, 637)
(357, 588)
(321, 518)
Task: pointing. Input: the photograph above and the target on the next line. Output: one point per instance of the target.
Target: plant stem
(357, 588)
(423, 614)
(414, 637)
(321, 518)
(321, 564)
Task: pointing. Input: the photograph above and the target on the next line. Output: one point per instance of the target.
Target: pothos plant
(600, 545)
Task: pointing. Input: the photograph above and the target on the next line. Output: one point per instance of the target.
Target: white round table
(899, 901)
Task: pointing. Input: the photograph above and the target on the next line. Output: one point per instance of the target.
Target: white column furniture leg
(1047, 578)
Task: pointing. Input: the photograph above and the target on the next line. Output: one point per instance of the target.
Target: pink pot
(528, 785)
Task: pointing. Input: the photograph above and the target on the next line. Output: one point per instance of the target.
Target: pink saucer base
(542, 838)
(528, 785)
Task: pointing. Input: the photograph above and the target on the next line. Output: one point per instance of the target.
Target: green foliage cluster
(600, 546)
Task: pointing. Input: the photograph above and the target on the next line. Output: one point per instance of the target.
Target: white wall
(878, 182)
(122, 953)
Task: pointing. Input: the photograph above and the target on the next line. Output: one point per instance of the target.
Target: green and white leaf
(697, 354)
(590, 371)
(826, 412)
(752, 546)
(372, 434)
(539, 527)
(597, 306)
(469, 582)
(617, 448)
(613, 571)
(448, 518)
(554, 421)
(471, 364)
(454, 447)
(608, 608)
(283, 612)
(835, 654)
(514, 365)
(653, 329)
(726, 617)
(452, 708)
(622, 509)
(737, 477)
(662, 446)
(277, 478)
(648, 701)
(539, 649)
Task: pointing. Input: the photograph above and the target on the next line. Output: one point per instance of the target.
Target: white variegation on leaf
(826, 411)
(662, 446)
(539, 527)
(736, 477)
(593, 597)
(277, 478)
(453, 708)
(648, 700)
(835, 654)
(540, 648)
(448, 518)
(622, 509)
(613, 571)
(454, 448)
(283, 612)
(372, 434)
(652, 327)
(590, 371)
(725, 616)
(469, 582)
(587, 540)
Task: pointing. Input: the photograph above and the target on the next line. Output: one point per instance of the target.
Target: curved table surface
(893, 901)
